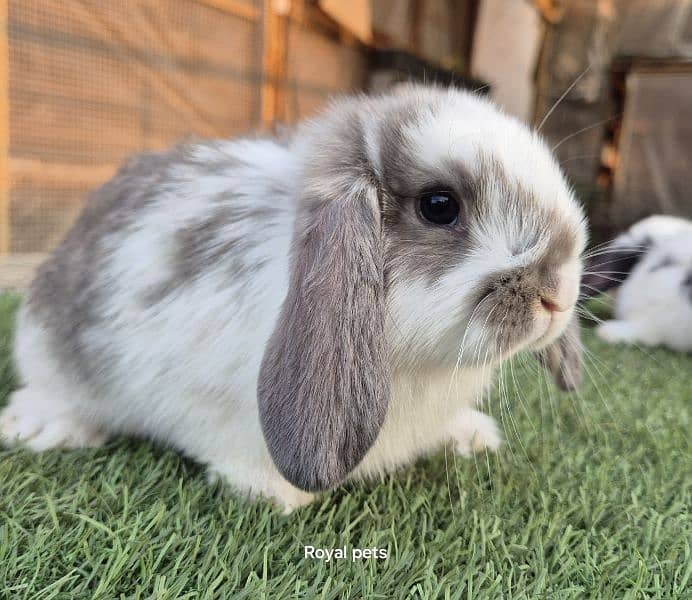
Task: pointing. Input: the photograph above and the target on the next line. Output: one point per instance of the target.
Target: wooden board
(92, 82)
(355, 16)
(4, 132)
(321, 63)
(653, 175)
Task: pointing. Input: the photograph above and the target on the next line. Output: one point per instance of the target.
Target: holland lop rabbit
(297, 313)
(653, 306)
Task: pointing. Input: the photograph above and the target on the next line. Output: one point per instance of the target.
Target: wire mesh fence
(92, 82)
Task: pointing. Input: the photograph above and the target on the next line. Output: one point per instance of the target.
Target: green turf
(589, 499)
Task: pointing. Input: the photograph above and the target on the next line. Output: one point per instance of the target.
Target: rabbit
(295, 314)
(653, 305)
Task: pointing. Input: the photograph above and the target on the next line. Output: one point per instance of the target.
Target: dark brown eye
(440, 208)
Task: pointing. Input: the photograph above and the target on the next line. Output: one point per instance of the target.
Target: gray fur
(666, 261)
(324, 381)
(564, 357)
(515, 295)
(418, 250)
(69, 289)
(537, 220)
(68, 292)
(324, 384)
(201, 246)
(415, 249)
(687, 285)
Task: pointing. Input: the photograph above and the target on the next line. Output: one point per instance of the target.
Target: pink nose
(550, 305)
(563, 296)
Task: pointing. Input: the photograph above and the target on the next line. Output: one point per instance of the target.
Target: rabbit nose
(551, 306)
(562, 295)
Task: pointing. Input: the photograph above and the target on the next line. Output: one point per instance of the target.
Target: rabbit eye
(440, 208)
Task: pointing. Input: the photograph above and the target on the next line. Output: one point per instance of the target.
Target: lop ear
(564, 357)
(324, 384)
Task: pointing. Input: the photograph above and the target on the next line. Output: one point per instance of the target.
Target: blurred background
(85, 83)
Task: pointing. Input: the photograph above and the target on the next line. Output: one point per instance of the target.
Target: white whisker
(562, 97)
(582, 130)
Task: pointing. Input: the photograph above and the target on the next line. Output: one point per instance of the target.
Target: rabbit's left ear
(564, 357)
(324, 384)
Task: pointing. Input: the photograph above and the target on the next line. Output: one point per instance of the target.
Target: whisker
(595, 298)
(590, 272)
(578, 157)
(516, 428)
(449, 486)
(520, 396)
(562, 97)
(597, 388)
(608, 277)
(582, 130)
(593, 253)
(463, 339)
(585, 312)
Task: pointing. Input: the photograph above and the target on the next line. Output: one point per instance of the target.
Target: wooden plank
(178, 35)
(4, 132)
(17, 270)
(23, 170)
(550, 10)
(322, 63)
(354, 18)
(41, 214)
(234, 7)
(313, 18)
(274, 62)
(55, 122)
(416, 23)
(654, 143)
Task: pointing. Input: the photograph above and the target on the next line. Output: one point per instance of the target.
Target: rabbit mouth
(525, 307)
(556, 325)
(506, 322)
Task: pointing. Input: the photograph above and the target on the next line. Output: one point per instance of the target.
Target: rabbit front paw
(473, 431)
(258, 483)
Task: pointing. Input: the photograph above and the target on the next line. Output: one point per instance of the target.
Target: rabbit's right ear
(324, 383)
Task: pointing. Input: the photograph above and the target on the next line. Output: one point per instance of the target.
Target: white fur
(469, 126)
(467, 129)
(187, 367)
(652, 307)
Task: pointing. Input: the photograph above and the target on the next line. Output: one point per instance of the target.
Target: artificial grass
(588, 499)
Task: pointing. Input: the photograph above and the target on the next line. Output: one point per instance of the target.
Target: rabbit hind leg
(627, 332)
(41, 420)
(45, 413)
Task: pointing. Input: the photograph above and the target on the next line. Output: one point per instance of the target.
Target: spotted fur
(653, 303)
(281, 311)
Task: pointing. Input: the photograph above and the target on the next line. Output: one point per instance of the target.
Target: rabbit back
(657, 296)
(653, 304)
(167, 287)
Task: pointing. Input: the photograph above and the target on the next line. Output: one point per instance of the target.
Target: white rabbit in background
(653, 305)
(296, 313)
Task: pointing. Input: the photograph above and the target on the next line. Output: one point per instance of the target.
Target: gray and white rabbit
(294, 314)
(653, 305)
